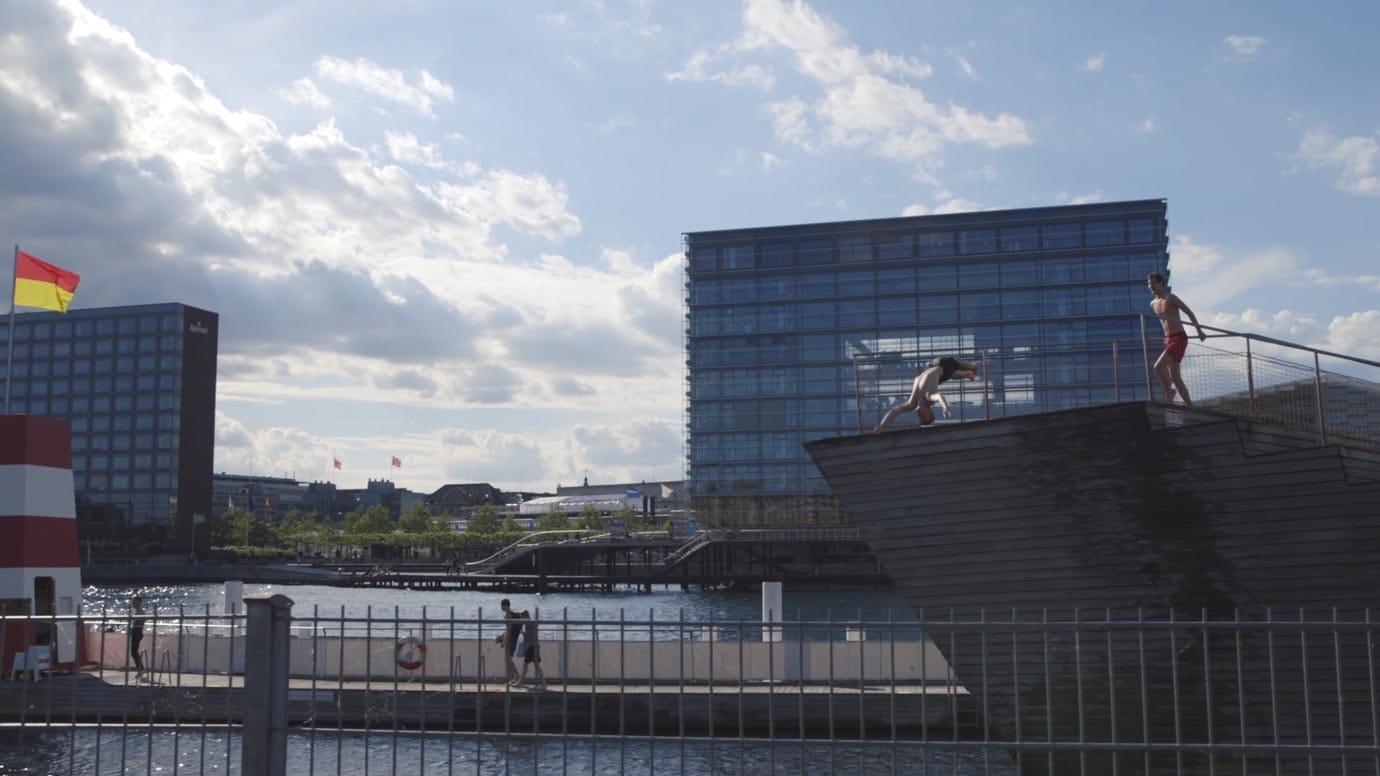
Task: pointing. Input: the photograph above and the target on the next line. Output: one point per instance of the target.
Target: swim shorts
(1175, 344)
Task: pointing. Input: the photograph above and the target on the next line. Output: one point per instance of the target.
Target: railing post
(1318, 393)
(1145, 351)
(264, 737)
(858, 393)
(986, 384)
(1250, 381)
(1116, 372)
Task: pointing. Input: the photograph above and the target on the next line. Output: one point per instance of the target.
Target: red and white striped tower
(40, 568)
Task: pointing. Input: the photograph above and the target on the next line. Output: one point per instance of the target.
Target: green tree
(554, 520)
(374, 520)
(630, 518)
(484, 520)
(238, 528)
(589, 519)
(415, 520)
(510, 526)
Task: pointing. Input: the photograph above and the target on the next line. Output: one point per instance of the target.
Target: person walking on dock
(924, 392)
(1167, 306)
(531, 650)
(509, 638)
(136, 635)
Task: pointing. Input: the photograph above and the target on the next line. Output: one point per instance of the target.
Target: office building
(138, 386)
(779, 318)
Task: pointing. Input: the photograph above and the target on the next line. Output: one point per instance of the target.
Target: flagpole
(9, 352)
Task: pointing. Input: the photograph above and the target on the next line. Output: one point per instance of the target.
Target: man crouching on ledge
(924, 392)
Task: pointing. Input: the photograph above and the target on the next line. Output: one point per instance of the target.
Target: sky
(450, 230)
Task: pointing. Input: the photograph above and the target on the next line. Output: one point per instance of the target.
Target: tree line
(238, 532)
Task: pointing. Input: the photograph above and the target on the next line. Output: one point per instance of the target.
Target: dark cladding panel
(197, 435)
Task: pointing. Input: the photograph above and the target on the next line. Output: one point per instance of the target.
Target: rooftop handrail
(1243, 380)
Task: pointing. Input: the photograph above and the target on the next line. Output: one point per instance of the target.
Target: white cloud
(617, 122)
(303, 92)
(1093, 64)
(1327, 279)
(1352, 334)
(342, 281)
(860, 105)
(771, 161)
(697, 69)
(391, 85)
(1244, 48)
(1206, 276)
(406, 148)
(966, 66)
(945, 202)
(1147, 126)
(1079, 199)
(1353, 159)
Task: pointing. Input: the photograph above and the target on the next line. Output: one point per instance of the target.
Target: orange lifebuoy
(411, 653)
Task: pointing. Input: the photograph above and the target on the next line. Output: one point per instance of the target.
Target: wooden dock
(752, 709)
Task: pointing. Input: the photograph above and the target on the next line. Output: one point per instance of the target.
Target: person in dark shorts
(136, 635)
(924, 392)
(531, 650)
(508, 637)
(1168, 306)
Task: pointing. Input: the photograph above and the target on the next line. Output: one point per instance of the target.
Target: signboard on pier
(682, 528)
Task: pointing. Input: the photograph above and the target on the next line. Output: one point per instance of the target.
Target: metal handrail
(526, 541)
(1219, 388)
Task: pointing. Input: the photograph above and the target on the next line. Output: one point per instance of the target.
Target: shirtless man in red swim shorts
(1167, 306)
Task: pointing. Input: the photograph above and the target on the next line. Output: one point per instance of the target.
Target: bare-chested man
(1167, 306)
(924, 392)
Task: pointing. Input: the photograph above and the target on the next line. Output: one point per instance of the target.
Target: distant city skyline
(451, 231)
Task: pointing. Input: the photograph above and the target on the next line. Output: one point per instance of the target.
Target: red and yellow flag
(39, 284)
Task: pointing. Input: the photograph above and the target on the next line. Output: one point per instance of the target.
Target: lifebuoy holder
(410, 653)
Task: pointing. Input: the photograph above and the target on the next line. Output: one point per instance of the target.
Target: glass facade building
(138, 386)
(776, 316)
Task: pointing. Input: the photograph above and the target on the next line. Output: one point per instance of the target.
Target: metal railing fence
(955, 692)
(1243, 374)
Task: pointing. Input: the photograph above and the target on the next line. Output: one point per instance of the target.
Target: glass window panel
(42, 331)
(816, 252)
(972, 241)
(739, 257)
(1020, 273)
(148, 324)
(1063, 235)
(1020, 304)
(936, 277)
(932, 244)
(896, 281)
(857, 313)
(978, 275)
(126, 325)
(1019, 238)
(776, 254)
(817, 286)
(855, 249)
(857, 283)
(980, 307)
(938, 309)
(894, 311)
(1141, 230)
(895, 246)
(167, 323)
(704, 258)
(1105, 233)
(82, 347)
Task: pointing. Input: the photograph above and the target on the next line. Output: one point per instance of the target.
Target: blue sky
(450, 231)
